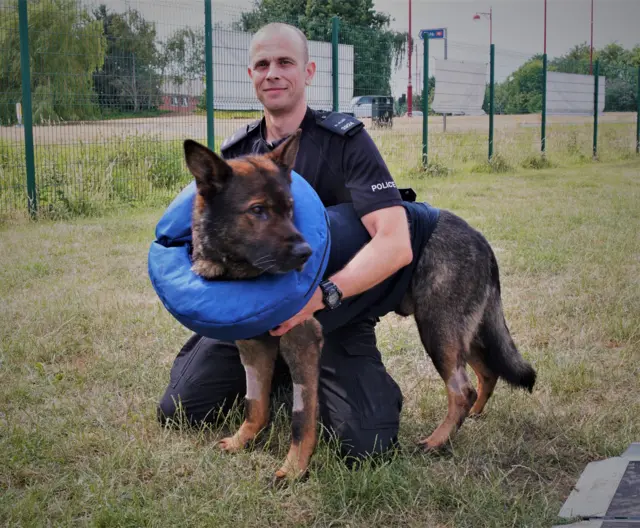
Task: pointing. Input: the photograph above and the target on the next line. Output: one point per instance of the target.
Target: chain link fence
(96, 100)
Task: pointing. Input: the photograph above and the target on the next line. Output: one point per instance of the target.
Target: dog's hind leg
(487, 379)
(449, 357)
(258, 358)
(301, 348)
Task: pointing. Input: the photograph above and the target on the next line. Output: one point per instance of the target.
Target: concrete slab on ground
(607, 494)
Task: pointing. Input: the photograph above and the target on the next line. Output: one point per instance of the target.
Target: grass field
(86, 348)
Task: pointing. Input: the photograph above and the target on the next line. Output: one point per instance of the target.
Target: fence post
(543, 128)
(27, 115)
(638, 115)
(596, 76)
(335, 63)
(425, 103)
(491, 98)
(208, 54)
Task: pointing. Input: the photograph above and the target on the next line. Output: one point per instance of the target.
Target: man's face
(279, 71)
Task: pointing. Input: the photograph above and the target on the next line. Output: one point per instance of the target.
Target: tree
(377, 49)
(129, 80)
(183, 55)
(521, 92)
(65, 46)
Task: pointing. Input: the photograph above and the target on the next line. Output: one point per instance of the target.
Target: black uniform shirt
(336, 156)
(341, 162)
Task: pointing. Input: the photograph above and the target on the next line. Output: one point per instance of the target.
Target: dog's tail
(501, 353)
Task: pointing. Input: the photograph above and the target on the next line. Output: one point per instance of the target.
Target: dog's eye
(258, 210)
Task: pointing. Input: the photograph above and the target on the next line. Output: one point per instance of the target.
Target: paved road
(195, 126)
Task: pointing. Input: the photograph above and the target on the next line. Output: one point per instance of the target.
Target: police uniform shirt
(336, 156)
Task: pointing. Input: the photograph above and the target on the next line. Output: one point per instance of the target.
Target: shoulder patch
(338, 123)
(239, 135)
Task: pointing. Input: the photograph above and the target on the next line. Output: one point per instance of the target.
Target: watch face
(331, 295)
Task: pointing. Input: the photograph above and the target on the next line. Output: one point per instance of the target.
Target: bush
(498, 164)
(434, 169)
(536, 162)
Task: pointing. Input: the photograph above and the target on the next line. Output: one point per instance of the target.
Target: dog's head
(243, 213)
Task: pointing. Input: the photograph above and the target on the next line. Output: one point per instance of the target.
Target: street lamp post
(489, 15)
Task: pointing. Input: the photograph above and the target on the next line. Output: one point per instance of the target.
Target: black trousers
(359, 402)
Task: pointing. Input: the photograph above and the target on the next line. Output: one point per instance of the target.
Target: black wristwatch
(331, 295)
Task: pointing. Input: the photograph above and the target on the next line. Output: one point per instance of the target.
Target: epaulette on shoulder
(339, 123)
(239, 135)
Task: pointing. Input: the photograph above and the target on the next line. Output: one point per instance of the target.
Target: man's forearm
(385, 254)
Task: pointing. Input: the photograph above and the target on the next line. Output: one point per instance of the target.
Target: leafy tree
(183, 55)
(129, 80)
(634, 58)
(521, 93)
(377, 49)
(65, 46)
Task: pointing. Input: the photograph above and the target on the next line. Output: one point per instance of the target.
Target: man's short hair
(275, 27)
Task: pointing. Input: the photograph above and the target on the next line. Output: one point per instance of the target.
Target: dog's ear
(285, 154)
(210, 171)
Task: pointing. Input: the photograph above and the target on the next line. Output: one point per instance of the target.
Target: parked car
(362, 106)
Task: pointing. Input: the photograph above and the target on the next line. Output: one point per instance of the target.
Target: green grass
(86, 349)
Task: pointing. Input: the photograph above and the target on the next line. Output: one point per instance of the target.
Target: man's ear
(285, 154)
(210, 171)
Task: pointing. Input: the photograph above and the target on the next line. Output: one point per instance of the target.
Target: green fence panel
(13, 174)
(115, 90)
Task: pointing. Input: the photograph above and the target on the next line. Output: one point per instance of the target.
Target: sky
(518, 26)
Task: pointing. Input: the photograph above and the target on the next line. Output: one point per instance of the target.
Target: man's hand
(388, 251)
(314, 304)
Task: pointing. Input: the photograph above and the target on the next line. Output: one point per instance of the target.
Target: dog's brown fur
(454, 297)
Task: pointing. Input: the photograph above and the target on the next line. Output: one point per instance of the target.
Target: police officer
(359, 401)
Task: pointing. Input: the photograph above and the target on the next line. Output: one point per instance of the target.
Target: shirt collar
(307, 120)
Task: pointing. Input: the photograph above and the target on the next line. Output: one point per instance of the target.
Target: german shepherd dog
(242, 226)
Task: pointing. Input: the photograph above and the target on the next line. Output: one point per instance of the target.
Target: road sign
(432, 33)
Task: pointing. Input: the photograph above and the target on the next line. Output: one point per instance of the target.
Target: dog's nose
(301, 251)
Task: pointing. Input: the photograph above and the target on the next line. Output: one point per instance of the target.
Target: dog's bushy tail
(501, 353)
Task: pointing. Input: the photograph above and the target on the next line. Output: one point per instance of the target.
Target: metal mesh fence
(518, 118)
(12, 156)
(376, 55)
(115, 90)
(458, 103)
(112, 99)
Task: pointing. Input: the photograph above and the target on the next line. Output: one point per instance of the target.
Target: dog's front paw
(207, 269)
(286, 475)
(428, 446)
(231, 444)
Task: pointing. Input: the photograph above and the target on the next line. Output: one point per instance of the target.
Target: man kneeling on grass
(360, 403)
